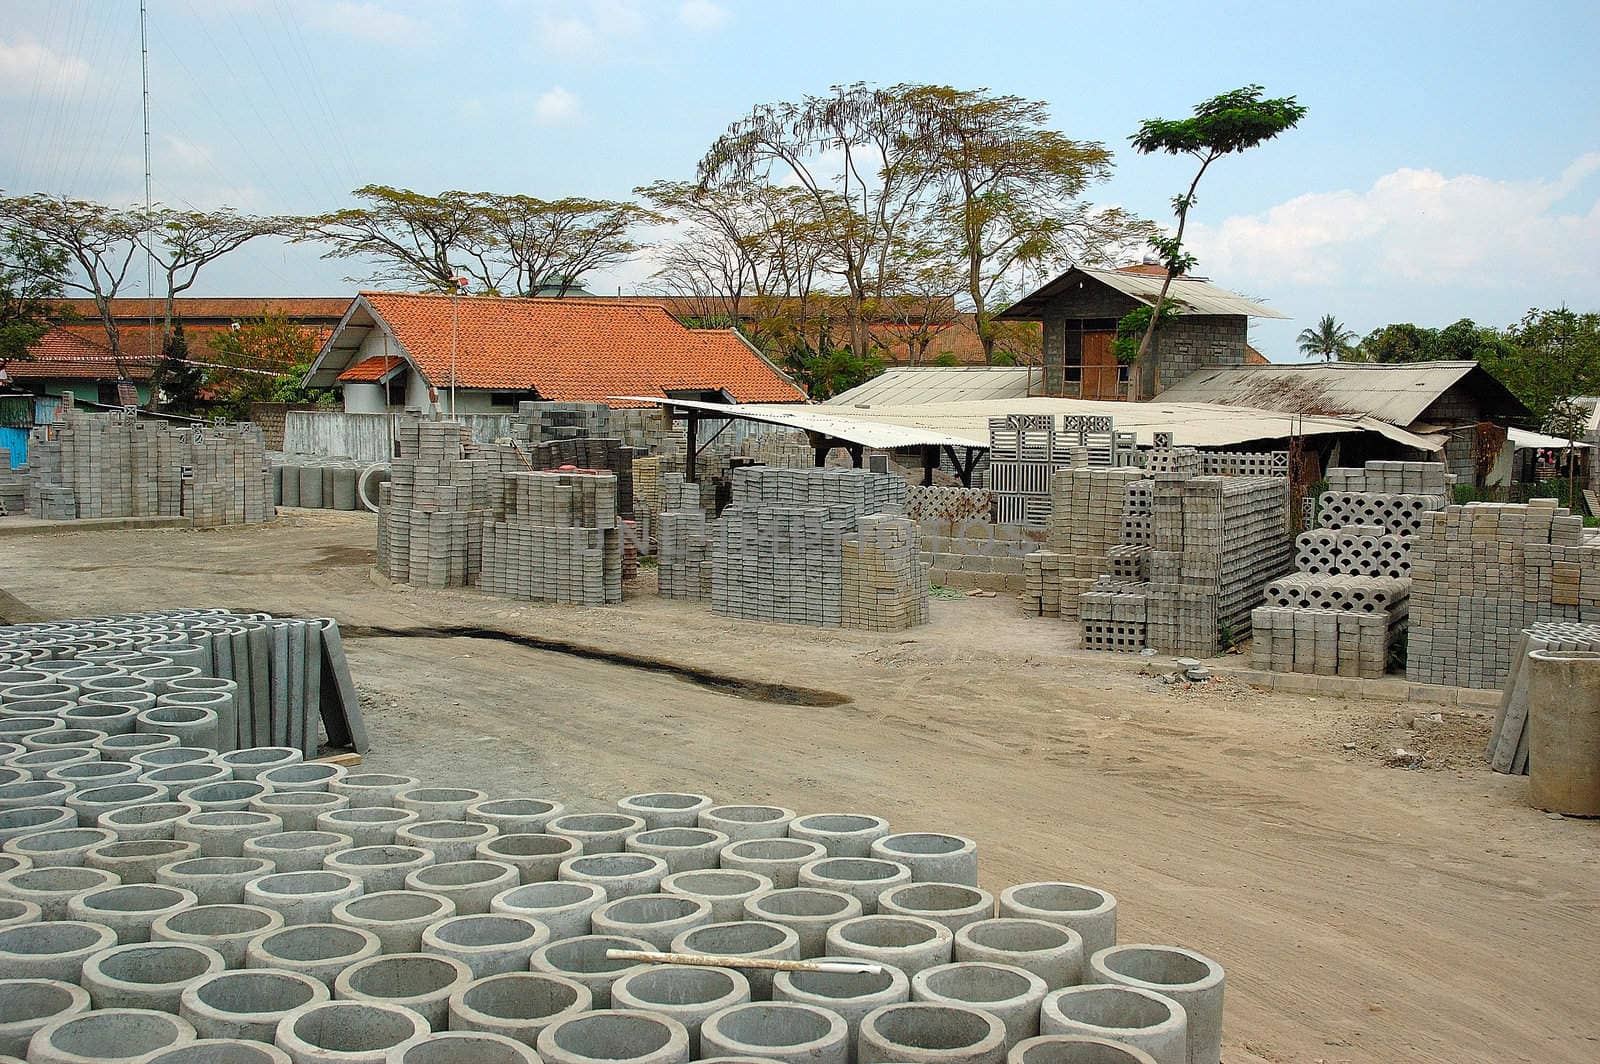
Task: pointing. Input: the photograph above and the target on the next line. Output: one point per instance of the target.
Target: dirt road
(1363, 913)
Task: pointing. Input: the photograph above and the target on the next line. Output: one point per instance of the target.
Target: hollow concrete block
(863, 878)
(231, 796)
(250, 762)
(615, 1035)
(1052, 952)
(785, 1031)
(908, 943)
(449, 840)
(373, 789)
(247, 1004)
(350, 1032)
(517, 1005)
(583, 960)
(921, 1032)
(107, 1036)
(438, 803)
(154, 820)
(27, 819)
(93, 803)
(850, 995)
(91, 774)
(54, 949)
(61, 848)
(303, 776)
(808, 911)
(1144, 1019)
(1194, 981)
(223, 833)
(137, 861)
(683, 849)
(380, 868)
(565, 908)
(490, 944)
(396, 918)
(299, 809)
(367, 825)
(319, 951)
(123, 747)
(297, 851)
(52, 888)
(228, 929)
(147, 975)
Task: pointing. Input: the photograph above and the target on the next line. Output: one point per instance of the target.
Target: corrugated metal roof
(1522, 440)
(1192, 297)
(908, 385)
(1397, 393)
(966, 424)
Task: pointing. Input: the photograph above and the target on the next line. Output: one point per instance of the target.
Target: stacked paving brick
(538, 422)
(885, 586)
(1041, 584)
(683, 556)
(13, 486)
(1088, 512)
(113, 465)
(556, 537)
(975, 554)
(1483, 572)
(431, 513)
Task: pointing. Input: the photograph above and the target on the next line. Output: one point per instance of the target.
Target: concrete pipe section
(52, 950)
(863, 878)
(517, 1005)
(1193, 981)
(656, 918)
(851, 995)
(299, 809)
(232, 797)
(1564, 732)
(247, 1004)
(252, 762)
(744, 938)
(449, 840)
(27, 819)
(173, 756)
(117, 717)
(599, 832)
(438, 803)
(147, 975)
(219, 1051)
(906, 942)
(62, 848)
(683, 849)
(515, 816)
(566, 908)
(366, 825)
(1141, 1018)
(38, 762)
(157, 820)
(123, 747)
(536, 857)
(93, 803)
(367, 790)
(214, 880)
(1050, 951)
(17, 913)
(1076, 1049)
(297, 851)
(583, 960)
(190, 715)
(1089, 911)
(464, 1047)
(932, 857)
(784, 1031)
(1009, 993)
(25, 793)
(423, 982)
(489, 945)
(780, 860)
(302, 897)
(724, 890)
(318, 951)
(921, 1032)
(690, 995)
(379, 868)
(302, 777)
(91, 774)
(137, 862)
(29, 1004)
(841, 834)
(351, 1032)
(622, 875)
(471, 885)
(64, 738)
(224, 833)
(52, 888)
(951, 904)
(130, 910)
(665, 809)
(396, 918)
(108, 1036)
(228, 929)
(615, 1035)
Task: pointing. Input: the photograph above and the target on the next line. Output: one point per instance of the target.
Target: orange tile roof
(131, 310)
(373, 369)
(573, 349)
(64, 355)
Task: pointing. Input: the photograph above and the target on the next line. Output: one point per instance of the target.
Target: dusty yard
(1363, 912)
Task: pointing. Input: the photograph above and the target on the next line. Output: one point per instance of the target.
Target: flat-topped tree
(1223, 125)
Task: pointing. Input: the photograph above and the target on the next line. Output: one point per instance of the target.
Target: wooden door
(1100, 376)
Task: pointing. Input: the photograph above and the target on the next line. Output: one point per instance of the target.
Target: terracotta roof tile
(373, 369)
(574, 349)
(61, 354)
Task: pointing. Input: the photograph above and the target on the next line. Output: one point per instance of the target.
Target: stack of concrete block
(1041, 591)
(1508, 741)
(1186, 461)
(1397, 514)
(683, 561)
(948, 504)
(1393, 478)
(555, 538)
(1245, 463)
(1470, 595)
(1087, 518)
(231, 482)
(885, 586)
(1324, 642)
(431, 513)
(1114, 616)
(1025, 453)
(975, 554)
(13, 486)
(1130, 562)
(541, 421)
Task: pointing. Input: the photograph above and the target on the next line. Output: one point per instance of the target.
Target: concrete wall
(367, 437)
(976, 554)
(365, 397)
(1192, 341)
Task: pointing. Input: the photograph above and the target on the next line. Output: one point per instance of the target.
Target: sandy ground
(1363, 912)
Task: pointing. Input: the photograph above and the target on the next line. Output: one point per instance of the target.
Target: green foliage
(1132, 328)
(1225, 124)
(1329, 338)
(948, 358)
(180, 381)
(832, 370)
(30, 279)
(264, 360)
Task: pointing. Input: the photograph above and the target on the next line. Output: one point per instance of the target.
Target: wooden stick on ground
(712, 961)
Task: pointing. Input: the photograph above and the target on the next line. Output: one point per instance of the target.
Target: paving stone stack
(555, 538)
(1087, 518)
(231, 482)
(1041, 593)
(432, 510)
(1508, 741)
(1483, 572)
(885, 586)
(683, 555)
(542, 421)
(13, 486)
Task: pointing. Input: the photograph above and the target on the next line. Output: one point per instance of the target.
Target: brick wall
(1192, 341)
(270, 417)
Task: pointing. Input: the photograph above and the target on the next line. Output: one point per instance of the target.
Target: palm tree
(1330, 339)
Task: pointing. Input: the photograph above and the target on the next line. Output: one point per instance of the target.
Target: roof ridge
(599, 301)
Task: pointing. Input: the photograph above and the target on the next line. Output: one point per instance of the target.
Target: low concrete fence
(367, 437)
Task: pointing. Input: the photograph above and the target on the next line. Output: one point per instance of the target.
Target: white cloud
(1420, 228)
(584, 32)
(555, 107)
(702, 15)
(25, 64)
(370, 21)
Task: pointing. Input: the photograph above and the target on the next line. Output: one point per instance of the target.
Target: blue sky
(1449, 166)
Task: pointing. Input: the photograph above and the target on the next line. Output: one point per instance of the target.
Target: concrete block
(908, 943)
(471, 885)
(147, 975)
(922, 1032)
(1143, 1019)
(491, 944)
(951, 904)
(351, 1032)
(583, 960)
(724, 890)
(1050, 951)
(318, 951)
(851, 996)
(1089, 911)
(741, 822)
(787, 1031)
(1193, 981)
(536, 857)
(614, 1035)
(656, 918)
(107, 1036)
(565, 907)
(228, 929)
(622, 875)
(423, 982)
(687, 994)
(517, 1005)
(396, 918)
(1002, 990)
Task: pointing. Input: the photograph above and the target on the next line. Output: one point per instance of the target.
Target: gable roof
(372, 370)
(564, 349)
(215, 310)
(1191, 296)
(909, 386)
(1397, 393)
(62, 354)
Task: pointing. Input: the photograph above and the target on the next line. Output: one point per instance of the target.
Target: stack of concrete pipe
(316, 482)
(208, 679)
(286, 911)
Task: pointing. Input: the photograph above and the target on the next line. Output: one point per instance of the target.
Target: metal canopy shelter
(825, 431)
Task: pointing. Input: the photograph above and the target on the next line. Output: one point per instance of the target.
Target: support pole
(692, 433)
(930, 462)
(855, 454)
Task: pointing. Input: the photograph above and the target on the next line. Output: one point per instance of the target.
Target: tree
(411, 235)
(1329, 338)
(1558, 360)
(97, 241)
(1009, 195)
(919, 305)
(180, 378)
(1223, 125)
(1395, 343)
(30, 279)
(522, 243)
(264, 360)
